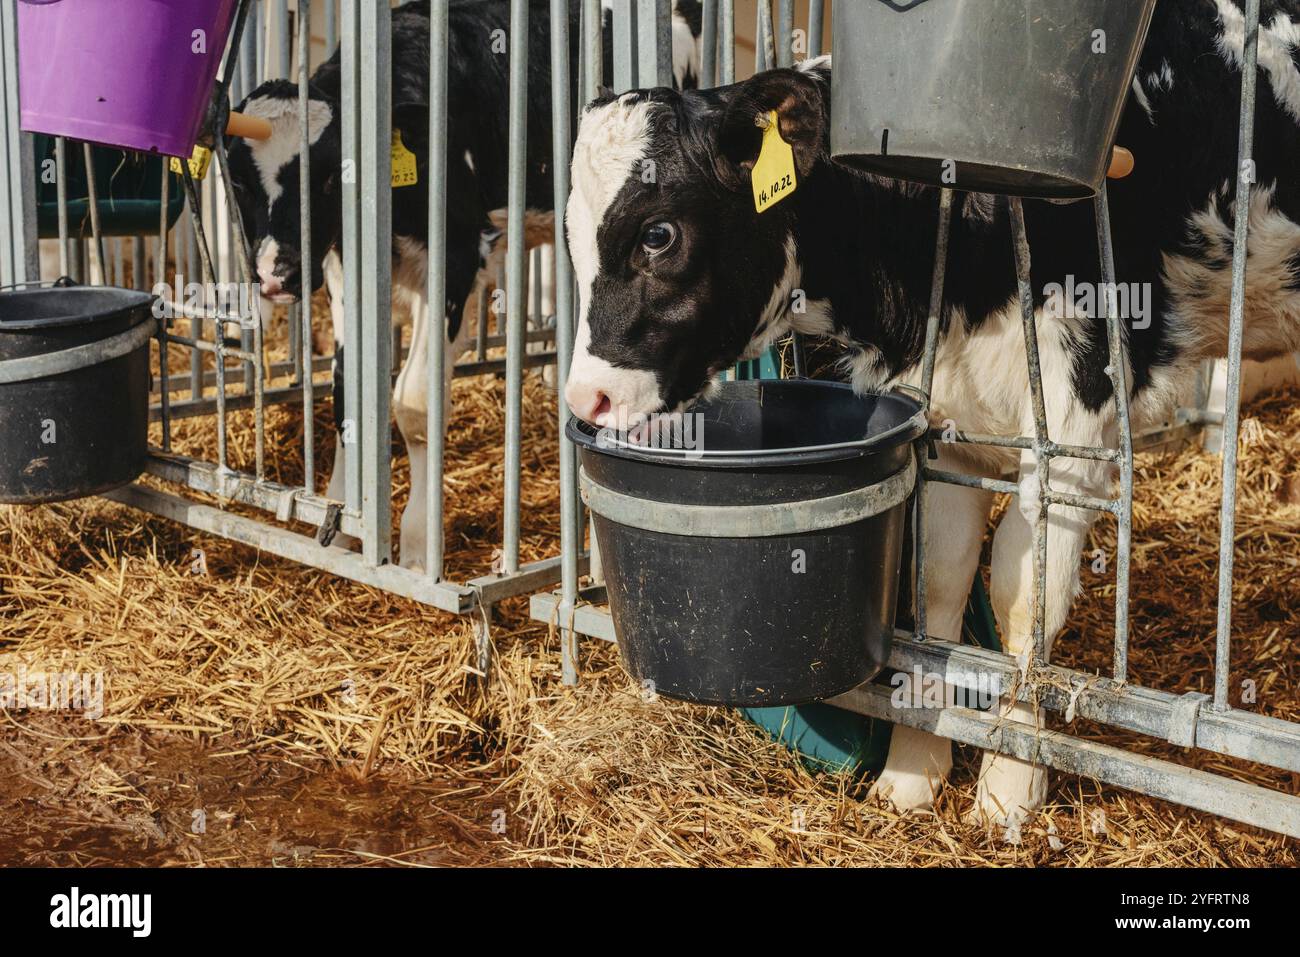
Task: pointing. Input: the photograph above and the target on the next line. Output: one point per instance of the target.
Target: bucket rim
(907, 431)
(132, 299)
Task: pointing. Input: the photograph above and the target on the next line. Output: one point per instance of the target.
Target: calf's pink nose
(588, 404)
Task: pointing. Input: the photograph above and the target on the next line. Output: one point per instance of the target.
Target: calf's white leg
(1009, 788)
(955, 520)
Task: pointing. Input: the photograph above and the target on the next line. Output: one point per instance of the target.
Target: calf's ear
(802, 108)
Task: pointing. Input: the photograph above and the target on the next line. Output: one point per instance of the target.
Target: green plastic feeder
(129, 186)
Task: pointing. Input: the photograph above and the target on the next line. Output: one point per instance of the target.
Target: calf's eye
(658, 237)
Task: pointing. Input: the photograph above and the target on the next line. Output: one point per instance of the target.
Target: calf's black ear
(802, 106)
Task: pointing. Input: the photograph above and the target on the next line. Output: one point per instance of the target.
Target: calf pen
(243, 377)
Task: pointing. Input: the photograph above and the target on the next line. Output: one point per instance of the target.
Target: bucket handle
(749, 521)
(77, 357)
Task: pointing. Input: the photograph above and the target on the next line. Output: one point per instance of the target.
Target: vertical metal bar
(283, 44)
(97, 274)
(139, 264)
(647, 42)
(593, 49)
(764, 45)
(160, 274)
(196, 325)
(516, 267)
(727, 41)
(570, 542)
(785, 32)
(374, 258)
(709, 45)
(349, 57)
(816, 26)
(1117, 369)
(116, 266)
(218, 333)
(624, 44)
(61, 193)
(1236, 324)
(436, 298)
(481, 330)
(932, 324)
(250, 325)
(331, 27)
(308, 262)
(1042, 456)
(18, 169)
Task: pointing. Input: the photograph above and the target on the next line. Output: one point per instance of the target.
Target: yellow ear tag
(773, 176)
(199, 162)
(405, 172)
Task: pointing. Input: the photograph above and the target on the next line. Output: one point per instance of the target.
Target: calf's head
(266, 175)
(679, 276)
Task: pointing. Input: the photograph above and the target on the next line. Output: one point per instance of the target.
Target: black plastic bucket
(1006, 96)
(74, 391)
(760, 567)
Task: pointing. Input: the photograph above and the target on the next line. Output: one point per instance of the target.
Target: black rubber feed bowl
(74, 391)
(761, 567)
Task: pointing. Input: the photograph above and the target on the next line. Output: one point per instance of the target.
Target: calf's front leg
(955, 519)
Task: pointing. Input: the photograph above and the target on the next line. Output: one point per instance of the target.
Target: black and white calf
(267, 182)
(679, 278)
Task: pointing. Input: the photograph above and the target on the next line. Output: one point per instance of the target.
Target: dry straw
(319, 721)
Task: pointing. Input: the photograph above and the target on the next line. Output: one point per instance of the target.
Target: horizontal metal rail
(1200, 790)
(275, 540)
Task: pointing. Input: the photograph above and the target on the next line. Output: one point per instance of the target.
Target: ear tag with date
(773, 176)
(405, 172)
(199, 162)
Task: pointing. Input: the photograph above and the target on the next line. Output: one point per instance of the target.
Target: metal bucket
(761, 569)
(1002, 96)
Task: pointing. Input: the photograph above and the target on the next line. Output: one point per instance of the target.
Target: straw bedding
(310, 720)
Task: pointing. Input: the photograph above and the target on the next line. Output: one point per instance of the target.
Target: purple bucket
(135, 74)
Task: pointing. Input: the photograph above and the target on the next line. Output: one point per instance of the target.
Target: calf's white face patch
(613, 140)
(282, 147)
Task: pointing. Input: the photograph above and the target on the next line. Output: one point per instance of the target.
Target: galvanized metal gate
(1190, 720)
(211, 241)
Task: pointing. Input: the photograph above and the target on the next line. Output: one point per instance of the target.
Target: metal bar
(435, 382)
(245, 489)
(97, 275)
(161, 276)
(816, 26)
(61, 193)
(516, 271)
(1023, 442)
(374, 259)
(942, 234)
(1200, 790)
(308, 254)
(593, 49)
(209, 280)
(624, 44)
(1236, 326)
(1042, 455)
(349, 56)
(764, 44)
(331, 26)
(492, 589)
(784, 33)
(456, 599)
(727, 40)
(253, 342)
(709, 45)
(1118, 371)
(570, 514)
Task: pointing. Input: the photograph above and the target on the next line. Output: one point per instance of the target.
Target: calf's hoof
(1008, 791)
(907, 791)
